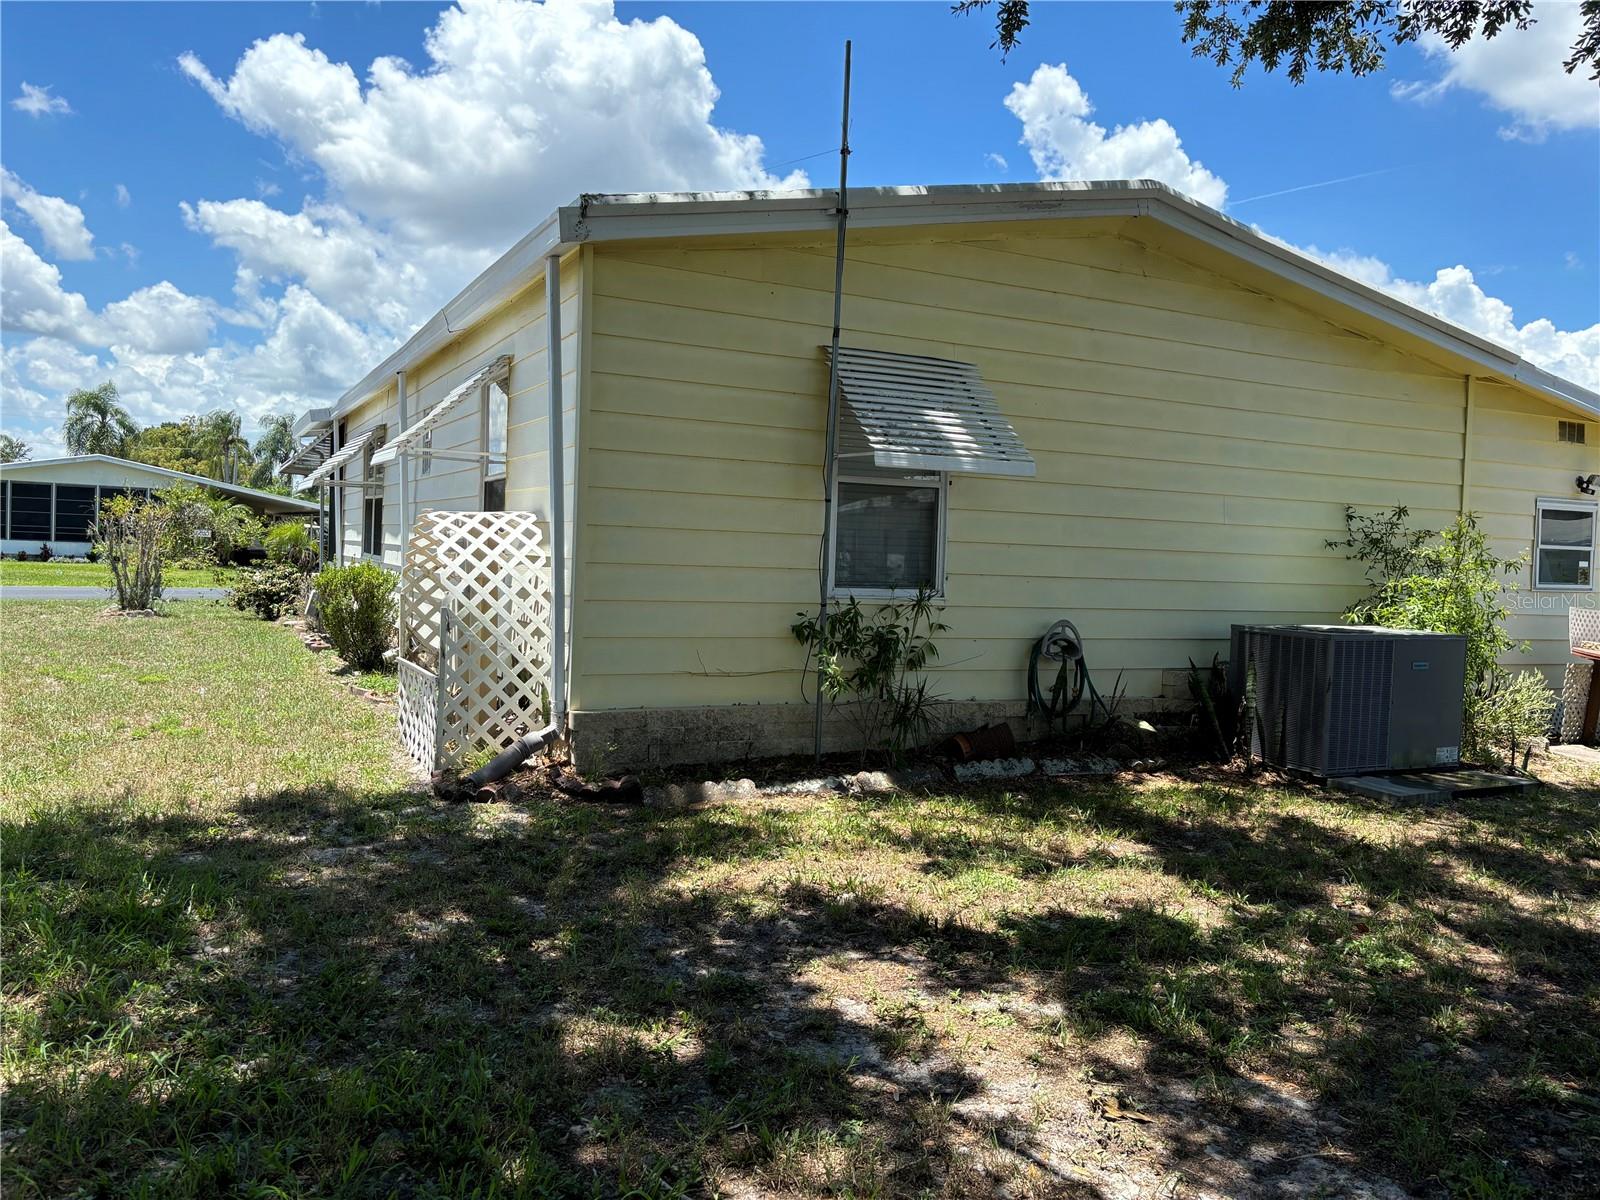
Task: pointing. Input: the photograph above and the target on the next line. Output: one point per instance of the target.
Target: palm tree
(96, 423)
(224, 443)
(274, 446)
(13, 449)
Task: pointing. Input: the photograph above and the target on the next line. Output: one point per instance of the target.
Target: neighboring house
(1181, 410)
(53, 501)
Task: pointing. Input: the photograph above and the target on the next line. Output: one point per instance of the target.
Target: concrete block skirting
(620, 738)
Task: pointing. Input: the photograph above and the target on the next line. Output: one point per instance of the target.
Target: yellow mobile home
(1099, 401)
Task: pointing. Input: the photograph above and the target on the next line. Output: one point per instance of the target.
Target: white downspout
(401, 403)
(558, 495)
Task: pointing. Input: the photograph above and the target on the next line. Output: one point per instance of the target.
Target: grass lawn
(86, 574)
(245, 957)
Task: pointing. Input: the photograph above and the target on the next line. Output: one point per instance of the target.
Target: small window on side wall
(496, 419)
(889, 533)
(1563, 554)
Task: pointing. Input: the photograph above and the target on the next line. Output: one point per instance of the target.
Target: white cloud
(1454, 294)
(1519, 73)
(521, 106)
(345, 263)
(1052, 108)
(158, 320)
(1065, 144)
(123, 198)
(997, 161)
(32, 299)
(429, 173)
(38, 102)
(59, 222)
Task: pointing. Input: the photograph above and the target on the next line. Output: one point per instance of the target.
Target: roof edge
(235, 489)
(603, 217)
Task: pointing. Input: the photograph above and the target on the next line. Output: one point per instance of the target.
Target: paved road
(15, 592)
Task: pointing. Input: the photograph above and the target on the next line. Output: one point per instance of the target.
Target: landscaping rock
(996, 768)
(1086, 764)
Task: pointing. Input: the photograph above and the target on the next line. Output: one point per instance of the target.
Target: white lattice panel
(475, 615)
(1574, 696)
(418, 702)
(1583, 625)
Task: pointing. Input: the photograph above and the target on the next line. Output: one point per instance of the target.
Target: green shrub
(1520, 708)
(356, 606)
(867, 660)
(291, 542)
(270, 592)
(1449, 582)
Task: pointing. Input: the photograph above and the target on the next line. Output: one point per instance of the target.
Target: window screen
(496, 413)
(30, 511)
(1571, 431)
(1565, 546)
(5, 508)
(74, 512)
(372, 525)
(887, 535)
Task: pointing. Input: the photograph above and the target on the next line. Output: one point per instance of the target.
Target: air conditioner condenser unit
(1347, 699)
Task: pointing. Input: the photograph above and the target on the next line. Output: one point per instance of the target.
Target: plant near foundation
(132, 533)
(357, 609)
(1451, 581)
(867, 661)
(1519, 709)
(270, 592)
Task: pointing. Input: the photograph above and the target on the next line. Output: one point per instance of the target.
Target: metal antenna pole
(830, 454)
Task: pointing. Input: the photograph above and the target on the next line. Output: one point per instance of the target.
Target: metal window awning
(308, 458)
(408, 438)
(904, 411)
(334, 462)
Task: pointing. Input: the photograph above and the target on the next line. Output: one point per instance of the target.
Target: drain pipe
(509, 759)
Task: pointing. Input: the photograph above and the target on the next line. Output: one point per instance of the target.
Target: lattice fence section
(475, 616)
(1583, 627)
(418, 700)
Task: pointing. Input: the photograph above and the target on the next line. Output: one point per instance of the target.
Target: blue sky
(286, 218)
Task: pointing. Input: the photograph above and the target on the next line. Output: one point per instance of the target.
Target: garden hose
(1062, 644)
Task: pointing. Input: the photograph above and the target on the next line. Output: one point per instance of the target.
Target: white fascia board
(647, 215)
(312, 421)
(514, 270)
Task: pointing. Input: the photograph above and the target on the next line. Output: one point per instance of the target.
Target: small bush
(45, 553)
(357, 608)
(133, 533)
(1519, 709)
(270, 592)
(291, 542)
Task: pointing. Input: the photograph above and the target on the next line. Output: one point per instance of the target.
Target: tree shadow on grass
(347, 995)
(337, 995)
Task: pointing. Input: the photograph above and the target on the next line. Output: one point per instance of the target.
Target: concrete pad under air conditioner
(1430, 785)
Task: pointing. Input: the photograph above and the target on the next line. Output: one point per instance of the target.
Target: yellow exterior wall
(1515, 460)
(1196, 442)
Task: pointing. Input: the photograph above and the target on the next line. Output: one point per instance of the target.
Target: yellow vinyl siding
(1517, 458)
(1196, 442)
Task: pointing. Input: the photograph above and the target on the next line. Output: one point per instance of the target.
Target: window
(889, 533)
(1563, 545)
(74, 512)
(1571, 431)
(372, 519)
(496, 414)
(30, 511)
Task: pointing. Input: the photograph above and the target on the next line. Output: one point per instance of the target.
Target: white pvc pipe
(557, 483)
(402, 403)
